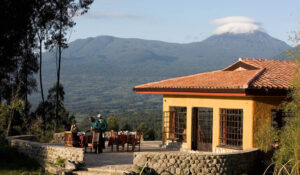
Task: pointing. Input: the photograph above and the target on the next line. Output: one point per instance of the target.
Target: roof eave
(192, 91)
(265, 91)
(215, 92)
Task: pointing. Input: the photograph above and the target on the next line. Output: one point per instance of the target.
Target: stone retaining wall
(59, 137)
(45, 152)
(176, 162)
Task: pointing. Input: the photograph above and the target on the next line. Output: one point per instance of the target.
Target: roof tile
(246, 73)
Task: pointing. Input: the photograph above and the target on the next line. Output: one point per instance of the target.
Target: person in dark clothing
(103, 126)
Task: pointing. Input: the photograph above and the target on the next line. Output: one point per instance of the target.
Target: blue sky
(183, 21)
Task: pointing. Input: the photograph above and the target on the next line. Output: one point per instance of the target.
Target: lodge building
(218, 111)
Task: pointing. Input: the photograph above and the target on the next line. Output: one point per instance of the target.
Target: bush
(12, 162)
(265, 135)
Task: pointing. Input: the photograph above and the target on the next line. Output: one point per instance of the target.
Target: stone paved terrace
(169, 162)
(118, 158)
(114, 163)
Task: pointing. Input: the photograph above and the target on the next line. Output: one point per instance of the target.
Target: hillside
(99, 73)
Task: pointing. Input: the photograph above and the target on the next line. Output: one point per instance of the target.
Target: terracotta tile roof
(244, 74)
(278, 74)
(215, 79)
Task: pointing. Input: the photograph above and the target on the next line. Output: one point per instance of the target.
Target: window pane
(177, 123)
(231, 127)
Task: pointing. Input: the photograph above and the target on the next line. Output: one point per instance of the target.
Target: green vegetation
(144, 171)
(148, 123)
(265, 135)
(112, 123)
(126, 127)
(60, 162)
(52, 124)
(286, 158)
(14, 163)
(32, 24)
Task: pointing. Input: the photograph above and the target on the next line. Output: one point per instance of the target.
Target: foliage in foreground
(265, 135)
(286, 159)
(14, 163)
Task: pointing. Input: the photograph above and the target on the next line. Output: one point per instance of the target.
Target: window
(231, 127)
(277, 116)
(175, 123)
(204, 116)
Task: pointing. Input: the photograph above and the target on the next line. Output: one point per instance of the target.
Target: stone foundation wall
(176, 162)
(45, 152)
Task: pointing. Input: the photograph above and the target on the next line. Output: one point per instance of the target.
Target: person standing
(95, 127)
(93, 123)
(103, 126)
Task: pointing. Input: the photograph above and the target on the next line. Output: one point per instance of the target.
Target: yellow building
(218, 111)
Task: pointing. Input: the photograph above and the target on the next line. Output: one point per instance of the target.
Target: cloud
(104, 15)
(236, 25)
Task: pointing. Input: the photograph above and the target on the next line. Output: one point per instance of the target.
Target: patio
(115, 163)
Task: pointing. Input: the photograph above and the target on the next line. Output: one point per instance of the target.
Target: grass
(14, 163)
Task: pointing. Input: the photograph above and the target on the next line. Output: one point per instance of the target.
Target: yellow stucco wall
(262, 109)
(252, 106)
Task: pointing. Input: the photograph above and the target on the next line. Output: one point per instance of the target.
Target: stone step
(106, 170)
(94, 173)
(112, 168)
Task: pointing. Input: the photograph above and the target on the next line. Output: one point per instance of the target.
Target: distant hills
(99, 73)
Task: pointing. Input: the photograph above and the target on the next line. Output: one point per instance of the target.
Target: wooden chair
(133, 140)
(114, 140)
(94, 142)
(123, 140)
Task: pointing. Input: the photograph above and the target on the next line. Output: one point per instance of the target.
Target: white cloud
(236, 25)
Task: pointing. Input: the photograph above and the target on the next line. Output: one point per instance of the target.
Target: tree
(149, 134)
(27, 68)
(44, 15)
(126, 127)
(17, 15)
(16, 38)
(26, 22)
(61, 123)
(287, 157)
(15, 106)
(142, 127)
(112, 123)
(63, 21)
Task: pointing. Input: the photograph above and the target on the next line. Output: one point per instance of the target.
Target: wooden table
(71, 139)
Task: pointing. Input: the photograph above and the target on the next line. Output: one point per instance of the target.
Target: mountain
(99, 73)
(289, 54)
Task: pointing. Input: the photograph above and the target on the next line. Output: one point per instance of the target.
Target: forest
(32, 27)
